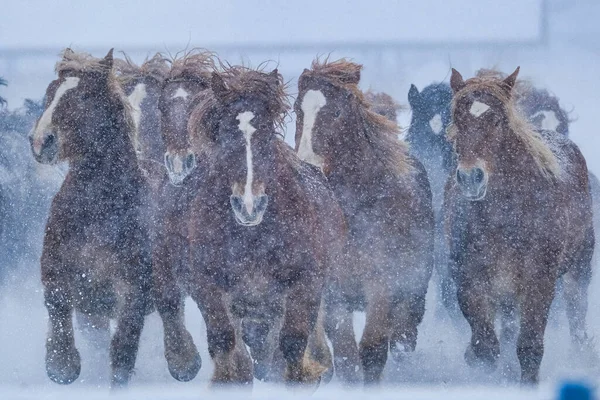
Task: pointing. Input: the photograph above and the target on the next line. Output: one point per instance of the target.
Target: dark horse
(264, 229)
(518, 216)
(386, 200)
(188, 77)
(427, 138)
(96, 254)
(143, 86)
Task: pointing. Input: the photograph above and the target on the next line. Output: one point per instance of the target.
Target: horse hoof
(189, 372)
(120, 378)
(487, 360)
(63, 367)
(399, 352)
(261, 371)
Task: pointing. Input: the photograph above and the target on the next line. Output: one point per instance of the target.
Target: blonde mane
(195, 64)
(490, 82)
(383, 104)
(156, 68)
(380, 133)
(80, 62)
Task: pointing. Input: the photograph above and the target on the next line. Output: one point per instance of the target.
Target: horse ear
(217, 84)
(108, 59)
(456, 81)
(67, 53)
(413, 96)
(275, 75)
(512, 79)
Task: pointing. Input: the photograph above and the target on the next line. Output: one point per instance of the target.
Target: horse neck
(354, 157)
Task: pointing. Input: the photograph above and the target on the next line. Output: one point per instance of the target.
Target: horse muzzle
(249, 212)
(472, 182)
(44, 148)
(179, 166)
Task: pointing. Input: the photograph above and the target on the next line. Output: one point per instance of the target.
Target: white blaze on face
(312, 102)
(436, 124)
(478, 108)
(549, 121)
(45, 121)
(135, 100)
(247, 129)
(180, 92)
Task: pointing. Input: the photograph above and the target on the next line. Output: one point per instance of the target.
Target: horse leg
(340, 330)
(405, 316)
(373, 347)
(300, 316)
(181, 353)
(575, 292)
(130, 321)
(484, 348)
(63, 363)
(318, 350)
(232, 362)
(534, 308)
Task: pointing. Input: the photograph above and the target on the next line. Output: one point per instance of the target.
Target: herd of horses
(180, 184)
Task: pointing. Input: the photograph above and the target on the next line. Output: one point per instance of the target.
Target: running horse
(96, 254)
(264, 229)
(188, 77)
(427, 138)
(518, 217)
(386, 200)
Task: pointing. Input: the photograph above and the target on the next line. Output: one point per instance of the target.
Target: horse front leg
(373, 347)
(232, 362)
(63, 363)
(181, 353)
(484, 348)
(301, 310)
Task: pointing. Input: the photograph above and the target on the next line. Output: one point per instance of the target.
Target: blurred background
(399, 42)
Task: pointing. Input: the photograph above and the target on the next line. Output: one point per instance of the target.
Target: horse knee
(220, 341)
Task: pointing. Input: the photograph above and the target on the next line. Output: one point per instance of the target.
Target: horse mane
(156, 68)
(491, 82)
(195, 64)
(240, 81)
(383, 104)
(380, 132)
(82, 62)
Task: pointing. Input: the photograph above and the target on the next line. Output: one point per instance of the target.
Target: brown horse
(96, 255)
(386, 199)
(518, 216)
(383, 104)
(143, 86)
(264, 229)
(188, 76)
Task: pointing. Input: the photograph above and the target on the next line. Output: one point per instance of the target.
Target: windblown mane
(383, 104)
(86, 63)
(241, 82)
(156, 68)
(196, 64)
(491, 82)
(380, 133)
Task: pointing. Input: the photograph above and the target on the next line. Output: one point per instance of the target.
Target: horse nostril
(190, 161)
(260, 204)
(461, 177)
(168, 161)
(236, 202)
(478, 175)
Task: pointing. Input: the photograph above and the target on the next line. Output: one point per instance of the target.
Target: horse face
(143, 94)
(430, 113)
(480, 123)
(175, 105)
(244, 138)
(321, 110)
(74, 104)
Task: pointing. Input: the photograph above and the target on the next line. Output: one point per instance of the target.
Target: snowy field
(436, 370)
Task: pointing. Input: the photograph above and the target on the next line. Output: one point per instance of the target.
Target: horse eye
(337, 113)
